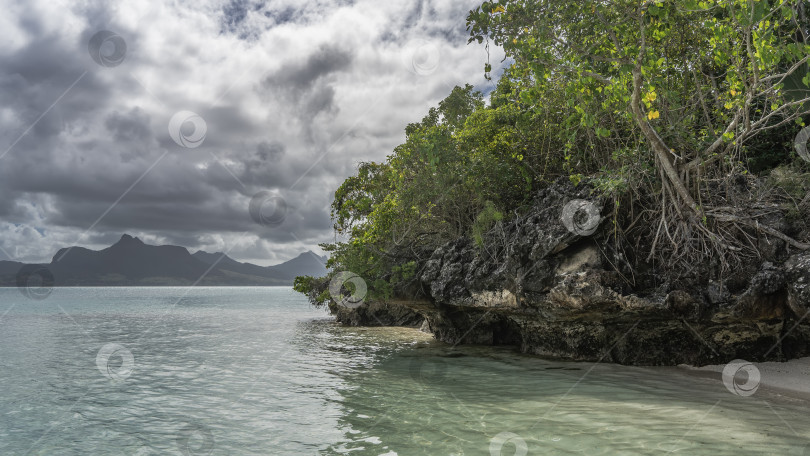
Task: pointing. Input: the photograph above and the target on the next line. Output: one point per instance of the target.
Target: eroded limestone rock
(551, 291)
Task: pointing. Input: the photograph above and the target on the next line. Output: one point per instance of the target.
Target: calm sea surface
(228, 371)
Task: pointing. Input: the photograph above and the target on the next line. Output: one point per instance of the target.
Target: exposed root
(738, 213)
(726, 217)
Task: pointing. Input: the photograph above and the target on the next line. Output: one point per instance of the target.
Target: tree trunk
(659, 147)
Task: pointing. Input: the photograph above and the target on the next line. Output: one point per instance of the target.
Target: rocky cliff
(552, 283)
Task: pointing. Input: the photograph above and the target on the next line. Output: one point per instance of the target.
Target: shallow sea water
(227, 371)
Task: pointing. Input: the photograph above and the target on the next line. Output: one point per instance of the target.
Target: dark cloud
(299, 77)
(236, 15)
(282, 16)
(269, 151)
(309, 85)
(294, 95)
(133, 125)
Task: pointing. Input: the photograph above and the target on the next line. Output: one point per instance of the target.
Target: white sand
(792, 377)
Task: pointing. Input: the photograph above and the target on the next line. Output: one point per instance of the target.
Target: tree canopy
(651, 101)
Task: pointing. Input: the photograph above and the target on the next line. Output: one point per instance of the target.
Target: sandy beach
(791, 378)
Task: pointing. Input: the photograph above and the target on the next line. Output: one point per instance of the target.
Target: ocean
(257, 371)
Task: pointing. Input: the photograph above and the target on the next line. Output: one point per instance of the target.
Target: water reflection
(427, 398)
(255, 371)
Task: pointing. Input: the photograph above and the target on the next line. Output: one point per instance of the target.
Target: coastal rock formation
(380, 313)
(549, 283)
(797, 276)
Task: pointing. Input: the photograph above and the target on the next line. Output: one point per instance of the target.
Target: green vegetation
(652, 102)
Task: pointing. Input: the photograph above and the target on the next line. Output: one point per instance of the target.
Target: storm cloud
(291, 96)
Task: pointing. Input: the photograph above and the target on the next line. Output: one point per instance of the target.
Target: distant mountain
(131, 262)
(304, 264)
(226, 263)
(9, 268)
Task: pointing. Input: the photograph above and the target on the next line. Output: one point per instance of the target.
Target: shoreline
(787, 382)
(790, 379)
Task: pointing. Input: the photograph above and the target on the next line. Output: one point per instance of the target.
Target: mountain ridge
(132, 262)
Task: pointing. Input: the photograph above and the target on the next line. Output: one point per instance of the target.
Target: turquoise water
(224, 371)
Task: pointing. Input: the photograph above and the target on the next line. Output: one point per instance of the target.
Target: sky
(222, 126)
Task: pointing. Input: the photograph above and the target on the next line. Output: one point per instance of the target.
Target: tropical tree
(692, 82)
